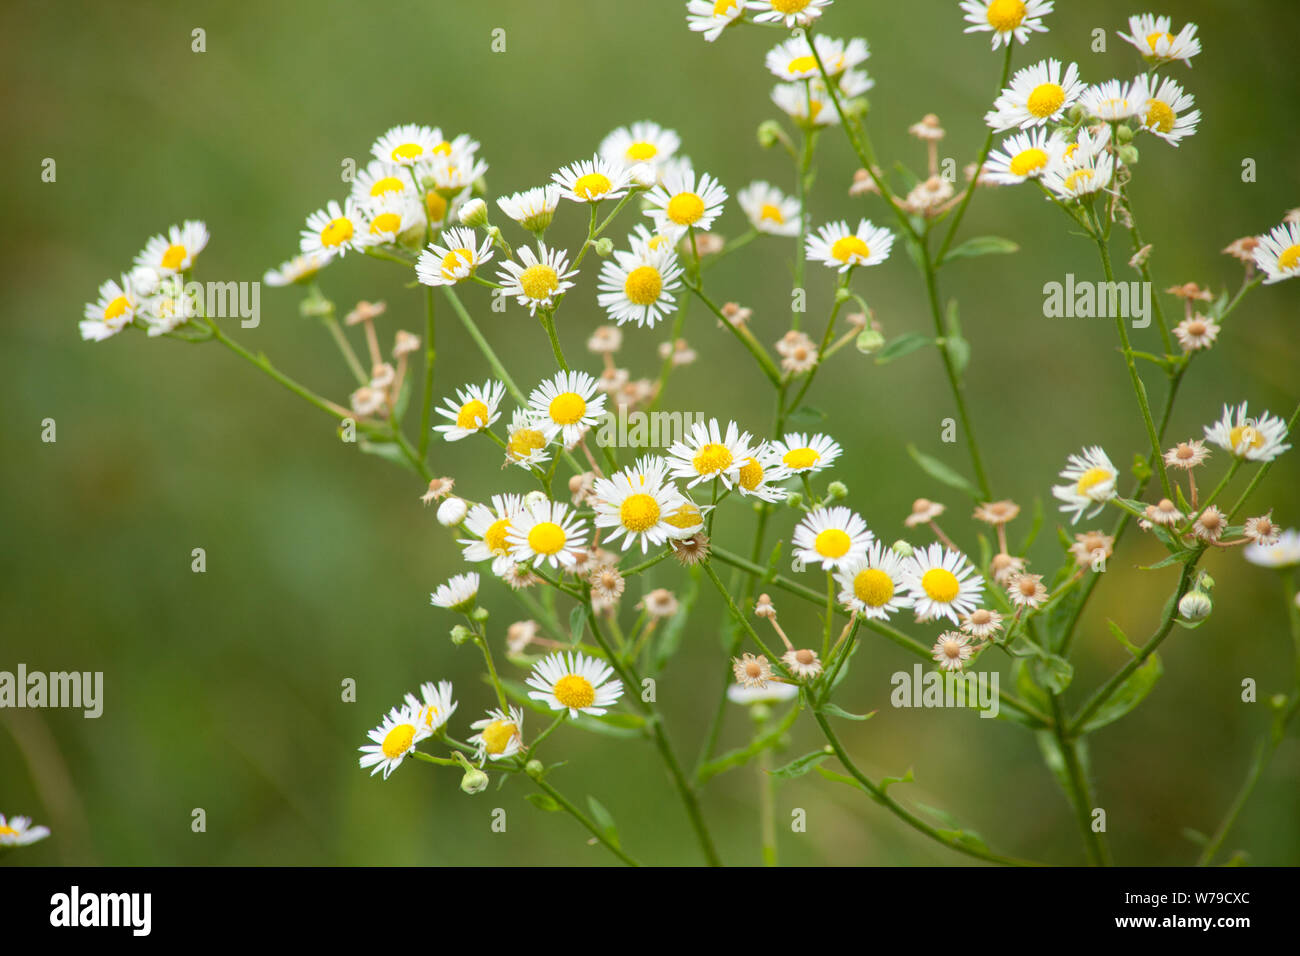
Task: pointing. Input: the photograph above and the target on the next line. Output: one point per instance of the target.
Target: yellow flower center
(546, 537)
(1091, 479)
(1289, 258)
(495, 536)
(940, 584)
(1160, 115)
(848, 247)
(712, 458)
(435, 206)
(473, 414)
(385, 223)
(723, 6)
(789, 6)
(7, 831)
(117, 308)
(1078, 179)
(389, 184)
(687, 516)
(640, 152)
(524, 442)
(592, 186)
(398, 741)
(643, 285)
(1154, 38)
(1026, 161)
(430, 715)
(832, 543)
(336, 232)
(656, 241)
(573, 690)
(567, 408)
(497, 736)
(751, 474)
(1045, 100)
(771, 213)
(1247, 435)
(1005, 15)
(800, 458)
(802, 64)
(173, 257)
(685, 209)
(873, 587)
(539, 281)
(407, 151)
(457, 259)
(639, 512)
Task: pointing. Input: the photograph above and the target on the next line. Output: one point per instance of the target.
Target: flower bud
(474, 781)
(534, 768)
(901, 548)
(1128, 154)
(534, 498)
(837, 489)
(794, 499)
(452, 512)
(1077, 114)
(479, 614)
(603, 246)
(869, 341)
(144, 280)
(769, 133)
(460, 634)
(474, 214)
(1124, 133)
(1195, 606)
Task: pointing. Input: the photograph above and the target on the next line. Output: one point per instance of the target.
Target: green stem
(582, 818)
(430, 354)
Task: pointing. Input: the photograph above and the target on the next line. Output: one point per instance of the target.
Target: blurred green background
(222, 689)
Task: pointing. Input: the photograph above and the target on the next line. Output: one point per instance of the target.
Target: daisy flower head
(769, 210)
(302, 268)
(111, 312)
(526, 440)
(1115, 101)
(832, 537)
(334, 230)
(1085, 168)
(792, 13)
(1024, 156)
(640, 286)
(457, 169)
(490, 525)
(952, 650)
(750, 671)
(393, 740)
(798, 453)
(802, 663)
(807, 103)
(942, 583)
(593, 180)
(533, 208)
(1153, 39)
(637, 502)
(546, 532)
(170, 306)
(458, 594)
(380, 180)
(432, 712)
(537, 281)
(475, 408)
(1167, 111)
(709, 452)
(577, 682)
(567, 404)
(18, 831)
(1007, 20)
(773, 693)
(1037, 94)
(981, 623)
(392, 219)
(839, 248)
(453, 258)
(1187, 454)
(711, 17)
(757, 473)
(641, 143)
(500, 734)
(1262, 530)
(176, 251)
(1284, 552)
(793, 59)
(874, 585)
(1278, 254)
(1027, 590)
(1197, 332)
(681, 201)
(407, 145)
(1091, 478)
(1254, 439)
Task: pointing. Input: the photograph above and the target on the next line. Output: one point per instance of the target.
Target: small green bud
(1195, 606)
(1128, 154)
(759, 712)
(1077, 114)
(1205, 582)
(843, 295)
(474, 214)
(603, 246)
(794, 499)
(769, 133)
(479, 614)
(315, 307)
(480, 187)
(474, 781)
(534, 769)
(1277, 701)
(870, 341)
(460, 634)
(837, 489)
(901, 548)
(1124, 133)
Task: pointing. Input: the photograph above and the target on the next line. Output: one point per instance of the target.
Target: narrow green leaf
(542, 801)
(807, 415)
(603, 819)
(1120, 636)
(839, 711)
(800, 765)
(906, 343)
(982, 246)
(958, 351)
(577, 623)
(1131, 693)
(942, 473)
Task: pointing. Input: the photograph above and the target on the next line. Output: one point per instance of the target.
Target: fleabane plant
(579, 529)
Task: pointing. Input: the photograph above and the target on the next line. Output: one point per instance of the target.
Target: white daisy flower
(546, 532)
(500, 734)
(709, 452)
(686, 522)
(1085, 167)
(455, 171)
(711, 17)
(593, 180)
(1284, 553)
(1006, 19)
(567, 404)
(1198, 332)
(839, 248)
(1024, 156)
(453, 258)
(798, 453)
(490, 524)
(393, 218)
(952, 650)
(432, 712)
(170, 306)
(793, 13)
(636, 502)
(793, 60)
(458, 594)
(942, 583)
(832, 537)
(1091, 478)
(407, 145)
(18, 831)
(334, 230)
(1037, 93)
(774, 692)
(757, 473)
(539, 279)
(174, 252)
(574, 681)
(526, 440)
(643, 142)
(1255, 439)
(769, 210)
(1166, 111)
(1115, 101)
(807, 103)
(476, 408)
(679, 202)
(533, 208)
(1278, 254)
(111, 312)
(1153, 39)
(302, 268)
(640, 286)
(394, 739)
(874, 585)
(381, 179)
